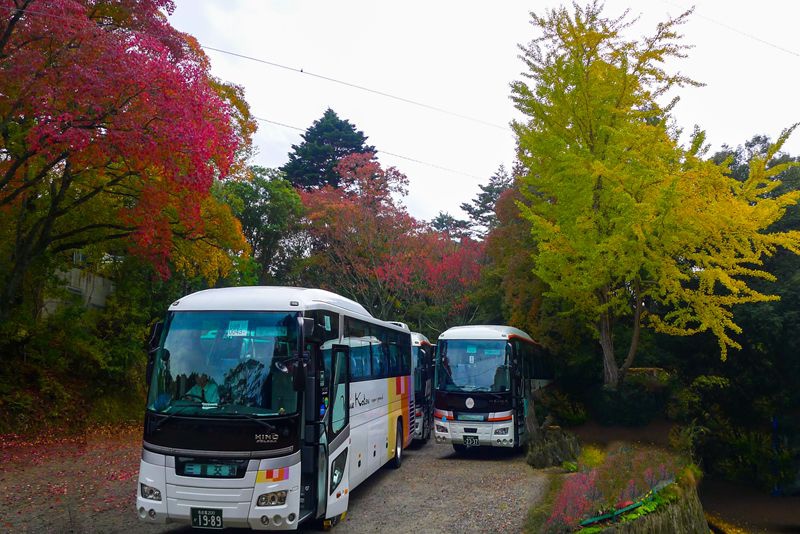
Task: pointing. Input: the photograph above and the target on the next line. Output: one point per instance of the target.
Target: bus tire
(397, 461)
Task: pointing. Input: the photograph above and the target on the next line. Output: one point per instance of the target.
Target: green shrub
(571, 467)
(591, 457)
(565, 410)
(634, 404)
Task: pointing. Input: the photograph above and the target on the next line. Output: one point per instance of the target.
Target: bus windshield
(472, 365)
(226, 363)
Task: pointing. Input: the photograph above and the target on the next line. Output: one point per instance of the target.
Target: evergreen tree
(312, 163)
(481, 210)
(446, 223)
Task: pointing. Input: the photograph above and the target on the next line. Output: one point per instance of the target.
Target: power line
(407, 158)
(737, 30)
(359, 87)
(305, 72)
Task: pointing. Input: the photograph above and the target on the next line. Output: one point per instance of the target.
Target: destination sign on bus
(209, 470)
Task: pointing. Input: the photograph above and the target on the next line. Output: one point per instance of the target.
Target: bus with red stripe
(484, 376)
(267, 406)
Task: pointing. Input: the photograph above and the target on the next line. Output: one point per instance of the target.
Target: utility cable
(359, 87)
(302, 71)
(421, 162)
(737, 30)
(407, 158)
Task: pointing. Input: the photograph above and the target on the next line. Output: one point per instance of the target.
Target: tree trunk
(637, 327)
(610, 367)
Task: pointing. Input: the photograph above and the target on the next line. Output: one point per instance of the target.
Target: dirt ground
(88, 486)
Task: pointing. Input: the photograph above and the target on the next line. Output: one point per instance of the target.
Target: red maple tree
(111, 128)
(365, 245)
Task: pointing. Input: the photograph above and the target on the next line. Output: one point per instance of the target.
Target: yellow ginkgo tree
(630, 225)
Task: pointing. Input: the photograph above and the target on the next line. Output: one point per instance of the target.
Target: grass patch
(620, 484)
(539, 513)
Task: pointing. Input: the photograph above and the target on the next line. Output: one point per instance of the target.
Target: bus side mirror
(153, 341)
(154, 338)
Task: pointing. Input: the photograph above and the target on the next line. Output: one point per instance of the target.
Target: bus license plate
(471, 441)
(207, 518)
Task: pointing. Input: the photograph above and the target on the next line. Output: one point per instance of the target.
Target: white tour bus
(482, 375)
(267, 406)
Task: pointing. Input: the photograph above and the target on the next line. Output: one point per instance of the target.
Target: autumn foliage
(365, 245)
(630, 226)
(111, 130)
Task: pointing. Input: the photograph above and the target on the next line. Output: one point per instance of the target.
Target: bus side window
(362, 359)
(356, 335)
(404, 347)
(326, 325)
(543, 368)
(395, 365)
(380, 352)
(529, 365)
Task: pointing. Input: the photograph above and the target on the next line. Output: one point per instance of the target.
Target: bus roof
(265, 298)
(483, 331)
(417, 339)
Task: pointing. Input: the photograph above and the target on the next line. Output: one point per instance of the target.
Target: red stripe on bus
(523, 339)
(504, 418)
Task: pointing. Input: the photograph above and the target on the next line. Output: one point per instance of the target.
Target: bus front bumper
(237, 499)
(467, 432)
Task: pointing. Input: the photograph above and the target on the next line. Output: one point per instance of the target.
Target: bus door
(518, 402)
(338, 434)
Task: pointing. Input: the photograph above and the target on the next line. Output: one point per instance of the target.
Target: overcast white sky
(461, 56)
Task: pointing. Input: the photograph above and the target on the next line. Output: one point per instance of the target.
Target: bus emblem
(266, 438)
(470, 403)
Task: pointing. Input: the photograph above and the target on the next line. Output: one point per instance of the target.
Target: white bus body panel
(486, 432)
(237, 497)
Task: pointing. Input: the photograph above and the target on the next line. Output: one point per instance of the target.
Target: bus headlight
(149, 492)
(501, 431)
(275, 498)
(441, 428)
(337, 470)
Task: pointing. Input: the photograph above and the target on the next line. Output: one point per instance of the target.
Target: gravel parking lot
(89, 488)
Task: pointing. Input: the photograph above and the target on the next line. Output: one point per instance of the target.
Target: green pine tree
(481, 209)
(312, 163)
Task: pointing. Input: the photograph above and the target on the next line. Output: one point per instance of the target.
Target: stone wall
(553, 448)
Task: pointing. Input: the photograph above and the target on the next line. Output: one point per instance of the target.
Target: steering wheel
(192, 396)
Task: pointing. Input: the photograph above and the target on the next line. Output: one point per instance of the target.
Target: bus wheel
(397, 461)
(460, 449)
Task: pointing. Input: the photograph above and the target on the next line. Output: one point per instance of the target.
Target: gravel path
(437, 490)
(87, 489)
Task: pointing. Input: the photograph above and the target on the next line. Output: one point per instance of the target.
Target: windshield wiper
(258, 420)
(171, 415)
